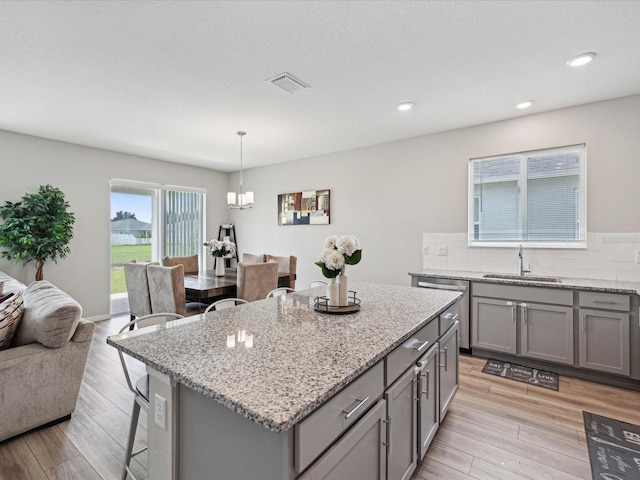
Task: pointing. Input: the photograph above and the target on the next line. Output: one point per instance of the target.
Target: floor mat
(614, 448)
(523, 374)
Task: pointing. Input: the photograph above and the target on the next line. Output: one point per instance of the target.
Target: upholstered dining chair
(190, 264)
(252, 258)
(276, 292)
(166, 291)
(286, 265)
(225, 303)
(140, 389)
(254, 281)
(135, 277)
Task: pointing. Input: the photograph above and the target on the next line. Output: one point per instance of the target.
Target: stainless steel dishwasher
(438, 283)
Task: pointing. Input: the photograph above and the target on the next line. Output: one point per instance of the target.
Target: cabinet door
(494, 325)
(428, 397)
(402, 417)
(448, 358)
(546, 332)
(604, 341)
(361, 454)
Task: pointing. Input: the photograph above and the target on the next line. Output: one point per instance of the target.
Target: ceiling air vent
(288, 83)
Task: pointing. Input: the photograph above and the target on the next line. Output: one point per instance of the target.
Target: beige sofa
(39, 384)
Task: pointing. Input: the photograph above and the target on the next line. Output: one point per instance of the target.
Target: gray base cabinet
(494, 325)
(402, 418)
(449, 368)
(361, 453)
(604, 341)
(428, 399)
(546, 332)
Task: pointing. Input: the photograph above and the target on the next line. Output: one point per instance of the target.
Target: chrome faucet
(521, 270)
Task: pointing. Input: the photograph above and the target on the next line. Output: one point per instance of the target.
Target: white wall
(83, 174)
(389, 195)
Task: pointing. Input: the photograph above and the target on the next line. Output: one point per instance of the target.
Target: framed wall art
(304, 208)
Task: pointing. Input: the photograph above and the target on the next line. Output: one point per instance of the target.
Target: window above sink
(535, 198)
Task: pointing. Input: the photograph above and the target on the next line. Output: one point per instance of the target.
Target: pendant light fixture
(245, 200)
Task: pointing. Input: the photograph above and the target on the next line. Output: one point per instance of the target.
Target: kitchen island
(252, 391)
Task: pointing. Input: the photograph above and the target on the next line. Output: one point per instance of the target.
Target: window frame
(581, 221)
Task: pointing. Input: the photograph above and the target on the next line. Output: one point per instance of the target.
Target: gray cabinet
(604, 341)
(361, 454)
(546, 332)
(449, 368)
(494, 325)
(428, 398)
(402, 427)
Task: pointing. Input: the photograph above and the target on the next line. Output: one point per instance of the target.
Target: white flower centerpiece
(339, 252)
(220, 249)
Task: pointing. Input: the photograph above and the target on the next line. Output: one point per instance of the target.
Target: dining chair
(140, 389)
(225, 303)
(254, 281)
(135, 277)
(167, 293)
(286, 265)
(190, 263)
(277, 292)
(252, 258)
(317, 283)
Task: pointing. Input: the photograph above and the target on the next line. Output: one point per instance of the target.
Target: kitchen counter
(585, 284)
(300, 358)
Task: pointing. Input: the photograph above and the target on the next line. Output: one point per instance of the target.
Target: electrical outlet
(425, 250)
(443, 251)
(637, 256)
(161, 412)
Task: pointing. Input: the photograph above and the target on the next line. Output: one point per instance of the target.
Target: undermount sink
(526, 278)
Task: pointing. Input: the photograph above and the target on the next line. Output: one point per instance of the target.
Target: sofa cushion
(50, 316)
(10, 316)
(11, 285)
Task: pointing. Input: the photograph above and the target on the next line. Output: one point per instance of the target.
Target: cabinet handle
(523, 310)
(362, 402)
(426, 392)
(513, 311)
(451, 316)
(444, 352)
(582, 323)
(422, 346)
(388, 433)
(609, 302)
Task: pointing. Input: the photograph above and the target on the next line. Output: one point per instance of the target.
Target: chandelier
(244, 200)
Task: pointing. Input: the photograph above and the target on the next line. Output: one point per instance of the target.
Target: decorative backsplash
(608, 256)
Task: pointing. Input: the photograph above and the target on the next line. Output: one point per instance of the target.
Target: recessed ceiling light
(403, 107)
(581, 59)
(524, 105)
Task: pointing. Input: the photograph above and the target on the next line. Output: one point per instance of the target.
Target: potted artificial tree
(39, 227)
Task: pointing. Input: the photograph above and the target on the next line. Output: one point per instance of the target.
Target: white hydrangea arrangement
(338, 252)
(220, 248)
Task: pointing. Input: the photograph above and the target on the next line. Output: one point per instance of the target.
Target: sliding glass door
(149, 222)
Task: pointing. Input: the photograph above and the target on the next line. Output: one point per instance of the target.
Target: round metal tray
(321, 304)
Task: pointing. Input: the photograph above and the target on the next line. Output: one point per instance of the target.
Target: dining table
(206, 286)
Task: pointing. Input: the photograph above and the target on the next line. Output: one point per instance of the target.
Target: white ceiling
(175, 80)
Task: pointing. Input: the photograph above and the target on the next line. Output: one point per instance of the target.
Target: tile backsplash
(608, 256)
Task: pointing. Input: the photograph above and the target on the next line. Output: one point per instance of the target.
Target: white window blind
(535, 198)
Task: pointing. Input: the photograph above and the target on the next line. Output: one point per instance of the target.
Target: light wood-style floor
(497, 429)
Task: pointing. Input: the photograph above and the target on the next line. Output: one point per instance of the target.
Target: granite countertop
(300, 358)
(592, 284)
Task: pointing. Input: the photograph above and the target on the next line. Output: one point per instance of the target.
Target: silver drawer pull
(422, 346)
(356, 408)
(605, 301)
(451, 316)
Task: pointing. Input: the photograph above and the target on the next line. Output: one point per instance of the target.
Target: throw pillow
(1, 287)
(10, 315)
(50, 316)
(6, 297)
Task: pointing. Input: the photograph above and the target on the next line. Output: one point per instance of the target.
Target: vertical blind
(183, 217)
(535, 197)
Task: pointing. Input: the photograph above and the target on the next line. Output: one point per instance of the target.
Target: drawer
(318, 431)
(554, 296)
(605, 301)
(449, 317)
(408, 353)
